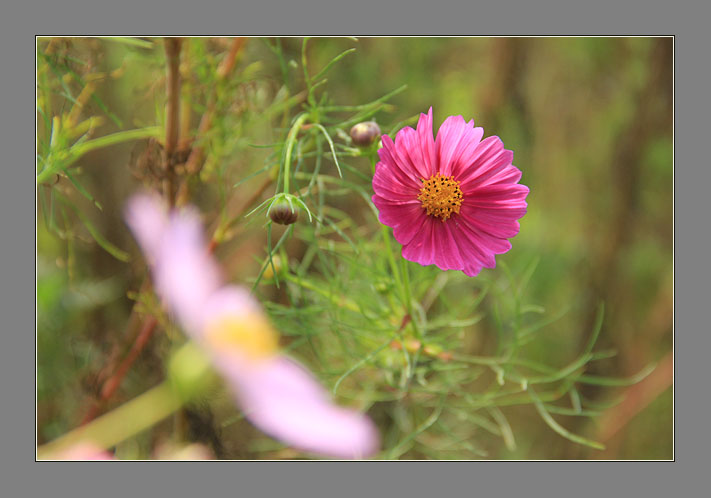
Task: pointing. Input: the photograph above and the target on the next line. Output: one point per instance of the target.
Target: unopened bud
(274, 266)
(283, 212)
(365, 134)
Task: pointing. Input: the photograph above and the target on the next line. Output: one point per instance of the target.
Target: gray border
(22, 477)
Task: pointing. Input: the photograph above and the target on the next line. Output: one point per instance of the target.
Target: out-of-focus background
(590, 121)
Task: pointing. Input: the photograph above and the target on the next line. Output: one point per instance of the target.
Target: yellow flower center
(251, 335)
(440, 196)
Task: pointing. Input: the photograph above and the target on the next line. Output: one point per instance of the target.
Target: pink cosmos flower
(452, 201)
(277, 394)
(83, 451)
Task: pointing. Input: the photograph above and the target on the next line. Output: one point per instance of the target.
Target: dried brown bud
(283, 213)
(365, 134)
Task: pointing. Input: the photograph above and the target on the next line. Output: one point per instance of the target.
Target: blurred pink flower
(277, 394)
(84, 451)
(453, 201)
(170, 450)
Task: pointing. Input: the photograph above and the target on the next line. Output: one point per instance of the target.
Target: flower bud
(365, 134)
(275, 266)
(283, 212)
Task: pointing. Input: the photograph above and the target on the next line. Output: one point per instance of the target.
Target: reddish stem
(113, 382)
(172, 113)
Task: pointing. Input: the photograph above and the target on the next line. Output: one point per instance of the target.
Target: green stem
(408, 297)
(120, 424)
(401, 274)
(391, 259)
(290, 141)
(307, 79)
(76, 151)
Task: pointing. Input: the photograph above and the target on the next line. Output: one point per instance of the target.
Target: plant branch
(118, 425)
(195, 160)
(112, 383)
(172, 115)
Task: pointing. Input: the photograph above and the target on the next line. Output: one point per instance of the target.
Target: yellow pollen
(440, 196)
(251, 335)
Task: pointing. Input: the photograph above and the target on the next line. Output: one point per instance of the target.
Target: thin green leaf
(330, 143)
(135, 42)
(562, 373)
(82, 190)
(113, 117)
(265, 146)
(249, 177)
(332, 62)
(304, 65)
(342, 235)
(265, 265)
(616, 382)
(77, 151)
(397, 450)
(479, 420)
(571, 412)
(362, 107)
(527, 274)
(98, 237)
(406, 122)
(550, 421)
(45, 209)
(596, 328)
(269, 253)
(362, 362)
(504, 427)
(101, 240)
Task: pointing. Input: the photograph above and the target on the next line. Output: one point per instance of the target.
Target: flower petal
(488, 159)
(447, 255)
(481, 244)
(230, 300)
(147, 217)
(83, 451)
(402, 169)
(493, 212)
(471, 245)
(498, 195)
(406, 218)
(407, 151)
(284, 400)
(492, 199)
(502, 229)
(456, 142)
(508, 175)
(421, 248)
(425, 135)
(184, 273)
(389, 184)
(471, 260)
(278, 395)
